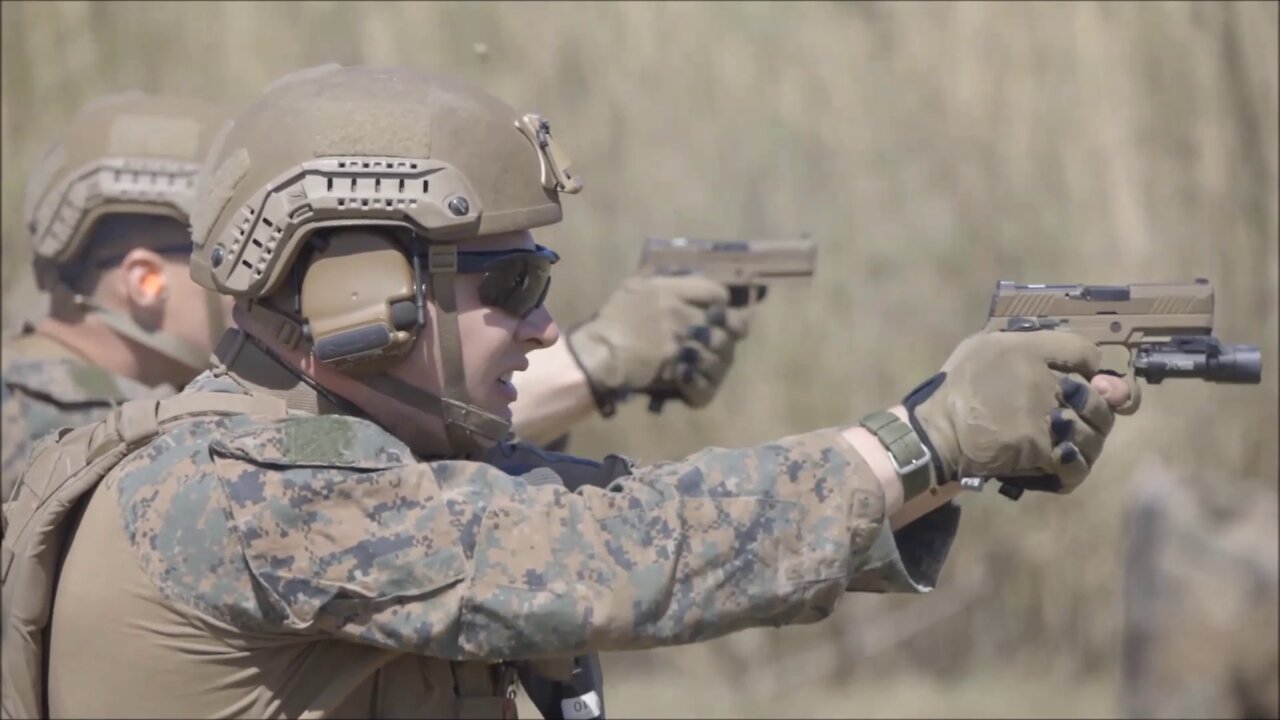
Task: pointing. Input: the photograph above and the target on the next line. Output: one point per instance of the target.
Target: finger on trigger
(1112, 387)
(1070, 466)
(1076, 392)
(1134, 400)
(1066, 351)
(697, 289)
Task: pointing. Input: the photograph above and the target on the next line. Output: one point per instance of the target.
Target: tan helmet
(125, 153)
(360, 151)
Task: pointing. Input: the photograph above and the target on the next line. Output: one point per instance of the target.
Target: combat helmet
(370, 153)
(124, 153)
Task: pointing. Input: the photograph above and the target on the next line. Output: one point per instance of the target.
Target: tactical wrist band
(909, 456)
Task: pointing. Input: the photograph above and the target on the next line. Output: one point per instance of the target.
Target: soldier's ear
(144, 282)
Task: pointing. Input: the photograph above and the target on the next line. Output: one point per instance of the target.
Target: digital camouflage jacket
(313, 565)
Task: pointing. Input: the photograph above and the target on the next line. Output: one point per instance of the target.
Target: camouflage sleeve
(904, 560)
(460, 560)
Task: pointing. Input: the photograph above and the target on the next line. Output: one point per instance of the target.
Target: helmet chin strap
(217, 321)
(468, 427)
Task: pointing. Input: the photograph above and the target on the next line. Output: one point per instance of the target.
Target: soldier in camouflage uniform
(359, 540)
(106, 210)
(140, 154)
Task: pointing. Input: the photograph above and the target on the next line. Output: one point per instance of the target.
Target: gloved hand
(1016, 406)
(668, 335)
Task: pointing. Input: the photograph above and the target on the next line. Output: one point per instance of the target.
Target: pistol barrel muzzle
(1236, 364)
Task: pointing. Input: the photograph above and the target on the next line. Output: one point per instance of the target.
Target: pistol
(747, 267)
(1167, 329)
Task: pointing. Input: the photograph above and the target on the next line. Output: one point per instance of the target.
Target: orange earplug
(153, 283)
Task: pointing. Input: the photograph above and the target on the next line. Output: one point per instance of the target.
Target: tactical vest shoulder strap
(63, 470)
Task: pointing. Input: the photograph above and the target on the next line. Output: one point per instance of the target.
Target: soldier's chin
(503, 412)
(498, 405)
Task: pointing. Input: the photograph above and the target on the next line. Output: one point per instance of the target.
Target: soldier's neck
(97, 344)
(93, 343)
(259, 369)
(256, 368)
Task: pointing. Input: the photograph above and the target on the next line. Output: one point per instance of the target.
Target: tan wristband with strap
(909, 456)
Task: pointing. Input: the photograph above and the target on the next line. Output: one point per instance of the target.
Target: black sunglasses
(515, 281)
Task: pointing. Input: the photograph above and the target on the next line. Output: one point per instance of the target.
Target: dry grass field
(931, 149)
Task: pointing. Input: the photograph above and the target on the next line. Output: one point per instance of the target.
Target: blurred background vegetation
(931, 149)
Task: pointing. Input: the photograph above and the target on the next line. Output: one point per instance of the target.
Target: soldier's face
(156, 287)
(495, 343)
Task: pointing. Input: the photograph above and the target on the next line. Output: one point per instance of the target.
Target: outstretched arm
(461, 560)
(554, 395)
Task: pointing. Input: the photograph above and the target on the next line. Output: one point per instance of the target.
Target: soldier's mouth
(506, 387)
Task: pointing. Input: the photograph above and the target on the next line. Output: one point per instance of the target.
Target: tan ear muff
(359, 301)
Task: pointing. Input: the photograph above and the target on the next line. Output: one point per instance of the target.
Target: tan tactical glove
(667, 336)
(1015, 406)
